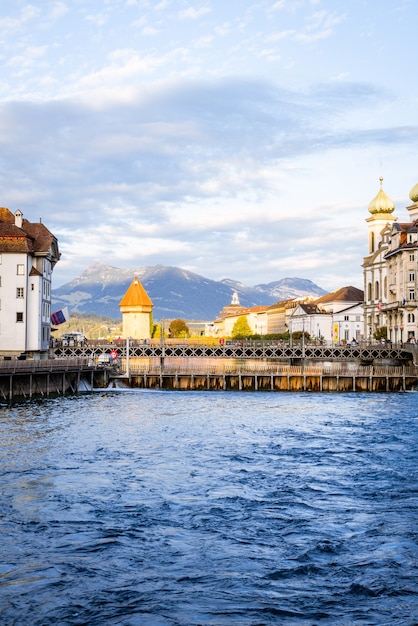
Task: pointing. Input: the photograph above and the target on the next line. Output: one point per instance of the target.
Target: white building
(401, 306)
(391, 270)
(374, 265)
(28, 254)
(308, 318)
(346, 307)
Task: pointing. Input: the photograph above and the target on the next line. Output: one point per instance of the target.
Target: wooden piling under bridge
(24, 380)
(336, 377)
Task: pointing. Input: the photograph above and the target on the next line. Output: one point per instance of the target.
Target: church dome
(381, 203)
(413, 194)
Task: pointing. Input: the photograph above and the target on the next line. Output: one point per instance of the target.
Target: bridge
(259, 350)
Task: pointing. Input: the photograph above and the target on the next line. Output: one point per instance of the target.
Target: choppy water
(189, 508)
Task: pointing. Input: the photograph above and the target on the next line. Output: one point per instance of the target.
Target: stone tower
(136, 309)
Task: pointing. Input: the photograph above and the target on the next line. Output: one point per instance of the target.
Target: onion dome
(381, 203)
(413, 194)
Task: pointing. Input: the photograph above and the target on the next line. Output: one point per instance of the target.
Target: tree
(381, 333)
(179, 328)
(241, 329)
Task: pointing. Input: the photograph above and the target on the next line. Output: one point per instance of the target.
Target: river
(209, 508)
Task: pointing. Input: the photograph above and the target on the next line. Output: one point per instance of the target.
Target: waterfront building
(308, 318)
(379, 223)
(136, 308)
(277, 316)
(390, 270)
(346, 306)
(28, 254)
(400, 307)
(348, 324)
(217, 328)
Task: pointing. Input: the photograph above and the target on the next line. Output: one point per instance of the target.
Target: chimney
(18, 218)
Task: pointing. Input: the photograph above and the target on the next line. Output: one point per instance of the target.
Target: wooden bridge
(233, 366)
(262, 350)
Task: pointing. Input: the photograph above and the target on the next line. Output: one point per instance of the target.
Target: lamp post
(127, 357)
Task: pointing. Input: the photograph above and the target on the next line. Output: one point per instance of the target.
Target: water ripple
(209, 509)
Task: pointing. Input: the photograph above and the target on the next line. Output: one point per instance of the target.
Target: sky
(239, 139)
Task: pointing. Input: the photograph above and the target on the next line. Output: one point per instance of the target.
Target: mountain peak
(175, 292)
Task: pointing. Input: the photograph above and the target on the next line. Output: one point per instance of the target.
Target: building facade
(391, 270)
(136, 309)
(28, 254)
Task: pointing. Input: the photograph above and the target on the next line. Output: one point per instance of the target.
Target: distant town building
(309, 318)
(28, 254)
(136, 309)
(346, 307)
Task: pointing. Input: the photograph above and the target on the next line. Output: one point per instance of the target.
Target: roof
(135, 295)
(345, 294)
(310, 309)
(30, 238)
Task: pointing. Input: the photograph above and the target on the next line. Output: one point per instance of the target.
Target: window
(412, 256)
(412, 294)
(371, 243)
(411, 276)
(19, 292)
(19, 317)
(32, 287)
(20, 269)
(411, 318)
(346, 318)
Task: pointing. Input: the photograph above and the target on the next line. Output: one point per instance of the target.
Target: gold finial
(381, 181)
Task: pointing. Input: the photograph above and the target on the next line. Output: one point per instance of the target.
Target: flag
(379, 306)
(59, 317)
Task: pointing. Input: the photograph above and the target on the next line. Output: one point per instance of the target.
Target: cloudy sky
(233, 138)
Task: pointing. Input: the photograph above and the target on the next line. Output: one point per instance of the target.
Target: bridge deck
(259, 350)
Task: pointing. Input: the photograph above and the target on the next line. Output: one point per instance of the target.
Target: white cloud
(193, 13)
(228, 141)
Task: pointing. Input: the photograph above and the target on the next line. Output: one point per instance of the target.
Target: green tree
(178, 328)
(381, 333)
(241, 329)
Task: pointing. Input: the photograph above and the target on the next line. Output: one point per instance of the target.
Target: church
(390, 269)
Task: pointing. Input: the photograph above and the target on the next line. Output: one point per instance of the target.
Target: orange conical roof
(136, 295)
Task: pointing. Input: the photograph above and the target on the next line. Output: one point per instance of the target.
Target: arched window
(411, 318)
(369, 292)
(385, 283)
(371, 242)
(376, 290)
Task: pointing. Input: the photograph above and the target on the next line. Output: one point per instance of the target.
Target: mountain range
(175, 292)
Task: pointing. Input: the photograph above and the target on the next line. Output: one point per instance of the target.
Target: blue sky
(233, 138)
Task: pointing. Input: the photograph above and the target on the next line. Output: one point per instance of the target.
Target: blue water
(187, 508)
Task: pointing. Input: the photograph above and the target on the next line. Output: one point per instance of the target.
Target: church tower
(136, 309)
(379, 223)
(413, 208)
(381, 209)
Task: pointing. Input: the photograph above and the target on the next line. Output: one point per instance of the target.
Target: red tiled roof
(345, 294)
